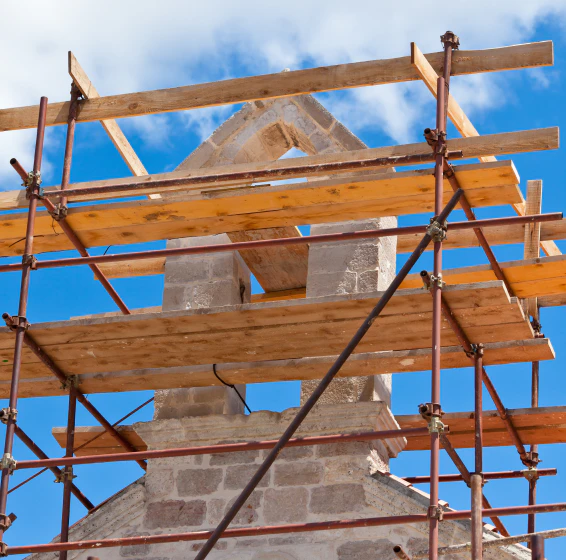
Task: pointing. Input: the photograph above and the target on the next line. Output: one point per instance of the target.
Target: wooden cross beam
(111, 127)
(282, 84)
(463, 124)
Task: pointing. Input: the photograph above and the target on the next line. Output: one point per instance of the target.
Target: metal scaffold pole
(20, 322)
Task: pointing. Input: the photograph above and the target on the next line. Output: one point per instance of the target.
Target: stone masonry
(306, 484)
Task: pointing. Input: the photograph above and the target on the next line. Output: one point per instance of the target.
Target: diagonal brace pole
(74, 239)
(64, 379)
(317, 393)
(38, 452)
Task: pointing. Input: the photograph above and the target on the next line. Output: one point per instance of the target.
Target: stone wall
(306, 484)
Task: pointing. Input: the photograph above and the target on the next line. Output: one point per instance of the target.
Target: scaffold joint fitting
(3, 549)
(6, 521)
(8, 462)
(429, 410)
(65, 474)
(16, 322)
(436, 426)
(531, 459)
(436, 230)
(8, 413)
(435, 512)
(60, 212)
(531, 473)
(437, 281)
(29, 260)
(450, 38)
(71, 381)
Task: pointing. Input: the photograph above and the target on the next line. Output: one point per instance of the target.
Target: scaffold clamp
(450, 38)
(8, 462)
(60, 212)
(436, 230)
(531, 473)
(3, 549)
(436, 426)
(16, 321)
(71, 381)
(6, 521)
(435, 512)
(437, 280)
(29, 260)
(8, 413)
(65, 474)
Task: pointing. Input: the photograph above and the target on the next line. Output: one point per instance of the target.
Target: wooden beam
(456, 114)
(489, 144)
(535, 425)
(282, 84)
(115, 133)
(111, 127)
(544, 276)
(531, 250)
(256, 208)
(538, 425)
(275, 330)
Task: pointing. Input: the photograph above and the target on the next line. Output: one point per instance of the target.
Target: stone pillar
(195, 282)
(351, 267)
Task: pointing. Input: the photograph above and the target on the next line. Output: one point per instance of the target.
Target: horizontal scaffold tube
(277, 529)
(221, 448)
(499, 475)
(244, 245)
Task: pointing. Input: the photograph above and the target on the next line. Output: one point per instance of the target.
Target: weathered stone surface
(354, 448)
(239, 475)
(287, 505)
(365, 550)
(135, 550)
(291, 453)
(250, 511)
(215, 510)
(175, 513)
(198, 482)
(298, 474)
(337, 498)
(234, 458)
(220, 545)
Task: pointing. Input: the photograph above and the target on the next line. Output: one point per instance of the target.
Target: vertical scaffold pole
(7, 463)
(67, 472)
(476, 480)
(537, 547)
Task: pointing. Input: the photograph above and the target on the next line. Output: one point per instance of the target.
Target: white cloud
(131, 45)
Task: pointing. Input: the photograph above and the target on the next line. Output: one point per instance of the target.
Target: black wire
(106, 249)
(231, 386)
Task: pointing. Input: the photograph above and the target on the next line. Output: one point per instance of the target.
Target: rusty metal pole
(478, 408)
(477, 523)
(537, 547)
(476, 480)
(67, 474)
(68, 158)
(7, 463)
(334, 369)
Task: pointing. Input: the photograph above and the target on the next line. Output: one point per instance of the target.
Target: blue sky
(206, 44)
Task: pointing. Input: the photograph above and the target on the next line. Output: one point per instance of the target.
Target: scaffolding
(85, 105)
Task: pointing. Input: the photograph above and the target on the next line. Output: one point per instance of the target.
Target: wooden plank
(490, 144)
(543, 276)
(455, 112)
(533, 205)
(256, 207)
(275, 268)
(282, 84)
(539, 425)
(264, 331)
(115, 133)
(535, 425)
(501, 235)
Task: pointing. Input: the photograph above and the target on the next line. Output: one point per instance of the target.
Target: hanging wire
(231, 386)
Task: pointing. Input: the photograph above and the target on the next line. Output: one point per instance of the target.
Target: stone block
(175, 513)
(250, 511)
(365, 550)
(298, 474)
(215, 511)
(346, 138)
(351, 449)
(320, 141)
(220, 545)
(159, 482)
(337, 498)
(315, 110)
(239, 475)
(288, 505)
(135, 550)
(240, 457)
(291, 453)
(198, 482)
